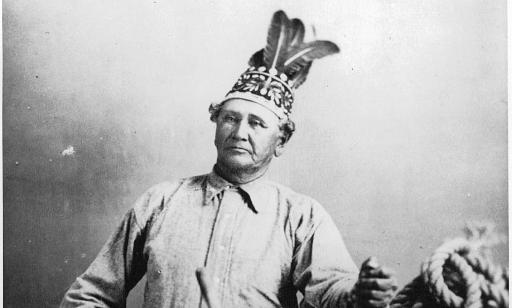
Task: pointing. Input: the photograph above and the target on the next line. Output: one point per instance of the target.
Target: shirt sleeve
(323, 269)
(115, 271)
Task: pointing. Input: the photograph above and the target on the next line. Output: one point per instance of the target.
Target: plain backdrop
(402, 136)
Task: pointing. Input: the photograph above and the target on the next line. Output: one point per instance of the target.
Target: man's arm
(121, 263)
(323, 269)
(115, 271)
(326, 274)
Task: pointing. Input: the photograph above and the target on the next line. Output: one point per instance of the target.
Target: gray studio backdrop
(402, 136)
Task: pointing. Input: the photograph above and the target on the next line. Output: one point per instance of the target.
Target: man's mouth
(238, 149)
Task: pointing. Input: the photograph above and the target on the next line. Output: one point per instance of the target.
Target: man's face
(247, 135)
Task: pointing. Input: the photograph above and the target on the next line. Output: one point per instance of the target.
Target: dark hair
(287, 126)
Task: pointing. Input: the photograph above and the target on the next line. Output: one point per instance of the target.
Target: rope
(457, 275)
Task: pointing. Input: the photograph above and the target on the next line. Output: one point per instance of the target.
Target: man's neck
(238, 176)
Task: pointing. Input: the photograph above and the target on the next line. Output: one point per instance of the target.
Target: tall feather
(297, 58)
(311, 51)
(299, 78)
(286, 50)
(298, 30)
(257, 59)
(278, 40)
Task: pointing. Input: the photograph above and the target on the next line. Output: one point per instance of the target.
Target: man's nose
(241, 131)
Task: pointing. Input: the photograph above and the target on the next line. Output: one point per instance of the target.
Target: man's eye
(229, 118)
(256, 123)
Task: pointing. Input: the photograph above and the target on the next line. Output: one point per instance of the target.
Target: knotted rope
(458, 275)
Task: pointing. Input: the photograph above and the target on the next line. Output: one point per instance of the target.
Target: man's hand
(376, 285)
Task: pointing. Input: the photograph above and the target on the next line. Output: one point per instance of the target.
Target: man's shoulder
(303, 213)
(292, 198)
(156, 198)
(170, 187)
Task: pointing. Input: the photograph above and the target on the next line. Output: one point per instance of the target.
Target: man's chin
(235, 163)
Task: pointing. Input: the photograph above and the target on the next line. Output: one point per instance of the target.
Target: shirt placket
(221, 249)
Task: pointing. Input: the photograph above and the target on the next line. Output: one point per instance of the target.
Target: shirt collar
(256, 191)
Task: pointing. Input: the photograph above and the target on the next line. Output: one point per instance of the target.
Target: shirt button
(217, 280)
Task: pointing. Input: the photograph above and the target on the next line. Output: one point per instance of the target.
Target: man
(257, 243)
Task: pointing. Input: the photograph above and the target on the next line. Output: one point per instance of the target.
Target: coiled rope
(458, 275)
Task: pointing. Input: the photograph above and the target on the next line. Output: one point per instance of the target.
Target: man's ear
(280, 146)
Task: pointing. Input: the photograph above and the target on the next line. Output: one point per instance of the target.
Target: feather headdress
(282, 66)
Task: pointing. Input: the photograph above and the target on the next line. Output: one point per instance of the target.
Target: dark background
(402, 137)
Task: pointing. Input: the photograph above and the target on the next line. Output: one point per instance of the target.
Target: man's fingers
(377, 283)
(369, 272)
(376, 286)
(386, 272)
(370, 263)
(377, 272)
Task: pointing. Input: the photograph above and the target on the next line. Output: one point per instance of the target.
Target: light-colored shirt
(260, 242)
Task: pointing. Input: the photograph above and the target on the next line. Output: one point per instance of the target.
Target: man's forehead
(247, 107)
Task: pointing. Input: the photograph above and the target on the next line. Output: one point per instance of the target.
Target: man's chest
(246, 253)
